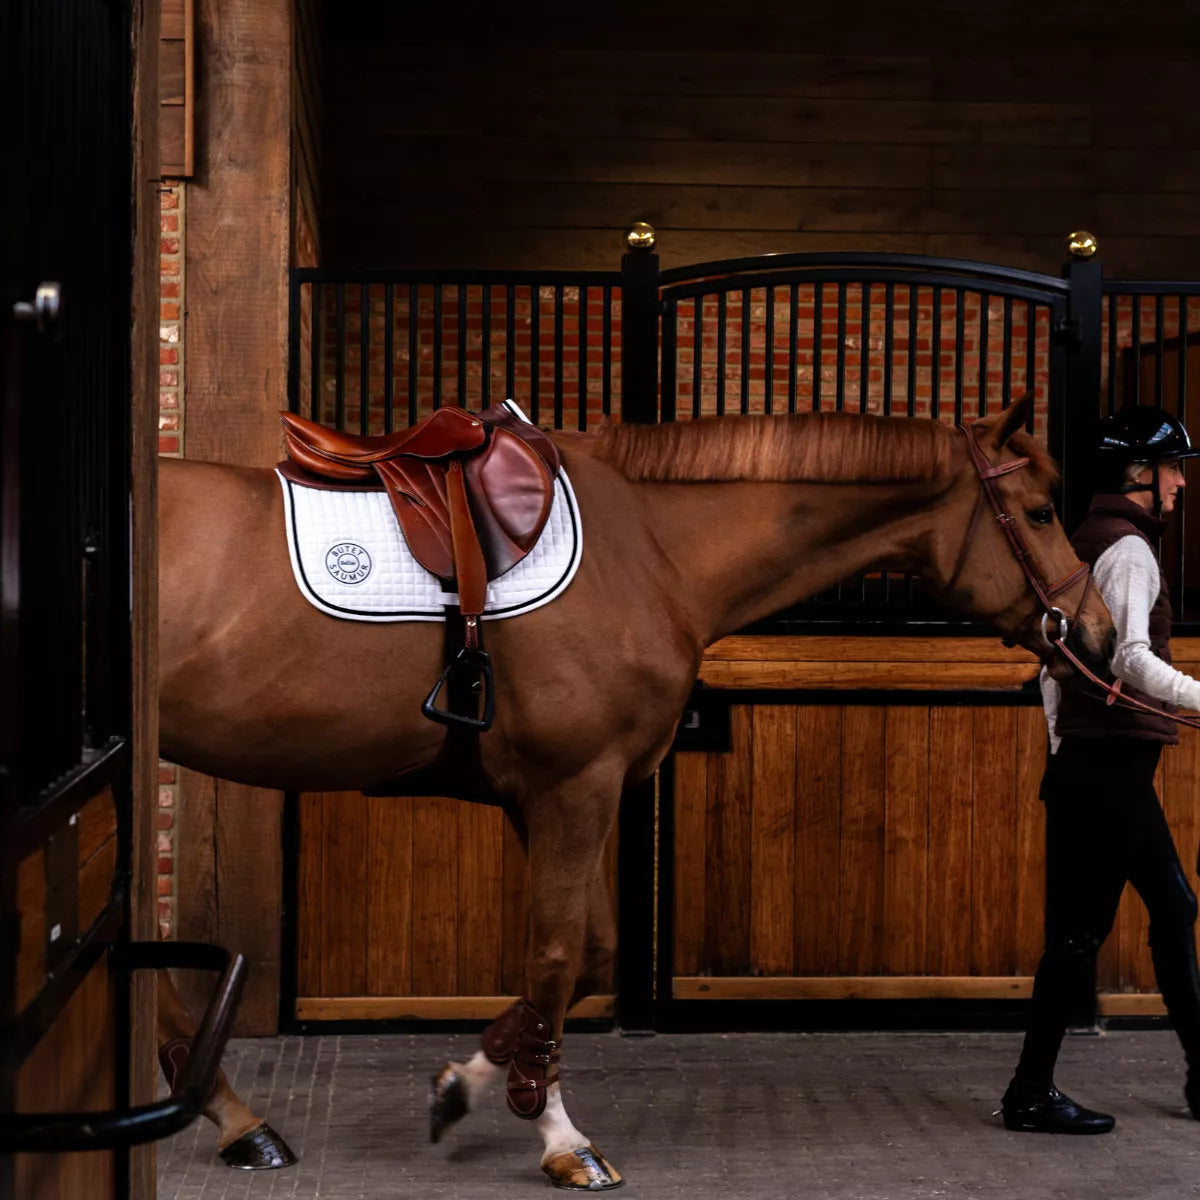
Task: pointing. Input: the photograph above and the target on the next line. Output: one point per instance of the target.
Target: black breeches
(1104, 828)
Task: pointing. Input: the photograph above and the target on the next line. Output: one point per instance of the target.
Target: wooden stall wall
(885, 850)
(465, 138)
(74, 1066)
(434, 924)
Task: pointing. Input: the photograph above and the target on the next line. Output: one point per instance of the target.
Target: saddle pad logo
(348, 562)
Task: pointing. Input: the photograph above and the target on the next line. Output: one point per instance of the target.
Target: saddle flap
(417, 490)
(499, 416)
(511, 490)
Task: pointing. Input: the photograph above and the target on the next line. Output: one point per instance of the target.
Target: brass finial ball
(640, 236)
(1082, 244)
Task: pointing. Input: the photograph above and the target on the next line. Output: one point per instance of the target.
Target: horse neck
(744, 550)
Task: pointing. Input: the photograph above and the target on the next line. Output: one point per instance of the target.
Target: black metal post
(1082, 394)
(640, 307)
(639, 327)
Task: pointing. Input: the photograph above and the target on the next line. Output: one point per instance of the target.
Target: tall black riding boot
(1061, 989)
(1174, 952)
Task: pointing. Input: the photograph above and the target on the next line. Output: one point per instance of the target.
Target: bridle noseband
(1056, 635)
(1055, 625)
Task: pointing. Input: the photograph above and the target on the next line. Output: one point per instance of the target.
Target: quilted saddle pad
(351, 561)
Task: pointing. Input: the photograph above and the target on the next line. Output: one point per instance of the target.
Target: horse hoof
(583, 1170)
(447, 1101)
(262, 1149)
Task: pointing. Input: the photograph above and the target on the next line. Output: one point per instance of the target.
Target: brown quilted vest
(1081, 714)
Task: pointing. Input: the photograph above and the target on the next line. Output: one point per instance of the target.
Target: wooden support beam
(427, 1008)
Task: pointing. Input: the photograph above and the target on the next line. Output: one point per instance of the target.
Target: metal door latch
(43, 308)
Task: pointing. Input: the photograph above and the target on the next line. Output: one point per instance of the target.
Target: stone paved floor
(711, 1117)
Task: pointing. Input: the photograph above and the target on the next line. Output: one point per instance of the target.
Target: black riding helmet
(1141, 433)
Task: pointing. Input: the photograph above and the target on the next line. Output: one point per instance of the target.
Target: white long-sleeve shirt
(1126, 576)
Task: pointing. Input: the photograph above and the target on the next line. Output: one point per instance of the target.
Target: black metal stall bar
(373, 350)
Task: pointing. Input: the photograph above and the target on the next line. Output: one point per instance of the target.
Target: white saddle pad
(351, 560)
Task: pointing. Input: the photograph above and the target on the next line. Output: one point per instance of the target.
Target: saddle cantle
(472, 493)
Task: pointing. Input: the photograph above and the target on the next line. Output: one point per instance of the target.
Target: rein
(1056, 635)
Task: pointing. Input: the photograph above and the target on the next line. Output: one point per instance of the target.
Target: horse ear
(1009, 421)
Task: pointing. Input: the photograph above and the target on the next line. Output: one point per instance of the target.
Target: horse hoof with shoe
(692, 530)
(260, 1149)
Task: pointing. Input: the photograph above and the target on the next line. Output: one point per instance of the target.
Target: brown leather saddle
(472, 493)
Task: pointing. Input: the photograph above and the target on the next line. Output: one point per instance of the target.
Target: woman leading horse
(691, 531)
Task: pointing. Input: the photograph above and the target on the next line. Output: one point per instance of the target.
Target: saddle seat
(472, 492)
(448, 431)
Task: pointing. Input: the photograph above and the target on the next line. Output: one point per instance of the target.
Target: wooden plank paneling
(97, 821)
(177, 90)
(31, 906)
(863, 754)
(430, 1008)
(850, 676)
(866, 649)
(480, 879)
(951, 768)
(95, 883)
(993, 844)
(1030, 860)
(690, 817)
(436, 866)
(818, 792)
(727, 863)
(855, 987)
(514, 901)
(389, 897)
(906, 857)
(72, 1068)
(740, 118)
(772, 838)
(641, 72)
(920, 664)
(985, 148)
(344, 828)
(437, 204)
(309, 874)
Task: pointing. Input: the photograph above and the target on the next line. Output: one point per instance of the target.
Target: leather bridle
(1055, 625)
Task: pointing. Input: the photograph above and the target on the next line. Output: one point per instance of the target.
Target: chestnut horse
(692, 530)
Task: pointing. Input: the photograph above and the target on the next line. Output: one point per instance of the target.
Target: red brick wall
(170, 442)
(911, 348)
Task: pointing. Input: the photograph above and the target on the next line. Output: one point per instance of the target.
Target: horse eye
(1041, 516)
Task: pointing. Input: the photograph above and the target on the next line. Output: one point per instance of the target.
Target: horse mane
(796, 447)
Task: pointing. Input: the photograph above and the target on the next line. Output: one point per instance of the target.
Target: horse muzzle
(1093, 647)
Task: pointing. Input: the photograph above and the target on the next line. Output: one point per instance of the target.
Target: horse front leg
(460, 1088)
(572, 941)
(567, 833)
(244, 1141)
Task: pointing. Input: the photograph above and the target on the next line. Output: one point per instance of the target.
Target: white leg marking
(558, 1134)
(479, 1073)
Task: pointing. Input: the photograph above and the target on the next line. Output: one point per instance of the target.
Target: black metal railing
(374, 350)
(943, 339)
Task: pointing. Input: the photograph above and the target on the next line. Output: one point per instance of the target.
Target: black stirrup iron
(468, 674)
